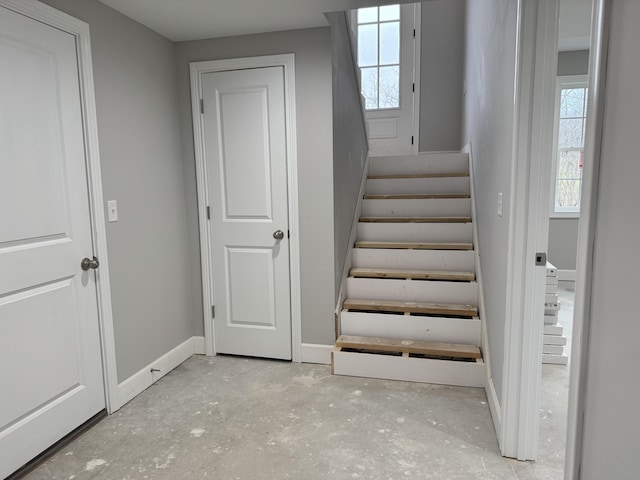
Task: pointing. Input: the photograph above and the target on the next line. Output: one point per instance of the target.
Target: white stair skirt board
(415, 327)
(464, 293)
(553, 329)
(432, 207)
(409, 369)
(144, 378)
(389, 186)
(555, 359)
(551, 319)
(421, 163)
(553, 349)
(554, 340)
(415, 232)
(451, 260)
(316, 353)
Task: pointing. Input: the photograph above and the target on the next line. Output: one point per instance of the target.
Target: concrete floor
(230, 418)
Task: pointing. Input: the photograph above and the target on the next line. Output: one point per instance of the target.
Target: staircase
(411, 307)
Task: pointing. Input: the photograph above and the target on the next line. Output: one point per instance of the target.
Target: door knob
(278, 234)
(86, 264)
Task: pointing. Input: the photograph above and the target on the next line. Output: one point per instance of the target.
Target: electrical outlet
(500, 204)
(112, 211)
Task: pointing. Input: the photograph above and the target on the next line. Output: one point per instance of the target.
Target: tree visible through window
(570, 153)
(379, 56)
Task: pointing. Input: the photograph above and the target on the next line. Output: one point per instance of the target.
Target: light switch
(112, 211)
(500, 204)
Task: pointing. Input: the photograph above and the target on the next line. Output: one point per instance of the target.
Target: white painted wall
(488, 126)
(139, 134)
(442, 45)
(611, 419)
(312, 49)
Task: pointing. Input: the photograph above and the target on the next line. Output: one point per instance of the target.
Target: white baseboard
(144, 378)
(315, 353)
(567, 275)
(494, 407)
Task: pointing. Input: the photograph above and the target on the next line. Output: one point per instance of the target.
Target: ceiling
(197, 19)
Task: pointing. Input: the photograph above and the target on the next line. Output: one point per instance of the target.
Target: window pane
(390, 12)
(389, 43)
(370, 87)
(389, 87)
(572, 102)
(568, 194)
(366, 15)
(569, 164)
(367, 45)
(570, 133)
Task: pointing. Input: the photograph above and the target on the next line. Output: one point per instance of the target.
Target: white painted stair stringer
(433, 207)
(414, 327)
(432, 291)
(451, 260)
(415, 232)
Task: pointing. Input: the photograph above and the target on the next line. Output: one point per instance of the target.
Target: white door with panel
(246, 170)
(50, 355)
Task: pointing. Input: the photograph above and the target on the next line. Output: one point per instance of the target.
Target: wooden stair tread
(413, 274)
(411, 307)
(415, 245)
(418, 175)
(416, 219)
(417, 196)
(457, 350)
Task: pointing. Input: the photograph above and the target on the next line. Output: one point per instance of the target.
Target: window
(570, 131)
(379, 56)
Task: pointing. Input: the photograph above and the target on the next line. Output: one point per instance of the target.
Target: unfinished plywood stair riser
(411, 308)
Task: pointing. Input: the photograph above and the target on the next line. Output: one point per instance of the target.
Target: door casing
(197, 70)
(80, 30)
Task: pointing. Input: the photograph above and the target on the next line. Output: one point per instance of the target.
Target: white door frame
(80, 30)
(586, 236)
(535, 81)
(197, 70)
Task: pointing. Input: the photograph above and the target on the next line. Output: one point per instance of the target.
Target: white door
(388, 66)
(245, 148)
(50, 360)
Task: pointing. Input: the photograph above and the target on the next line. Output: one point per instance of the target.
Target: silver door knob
(278, 234)
(86, 263)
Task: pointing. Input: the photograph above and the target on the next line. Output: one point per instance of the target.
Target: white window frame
(562, 82)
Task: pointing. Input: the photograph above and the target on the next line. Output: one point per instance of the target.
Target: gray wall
(312, 49)
(441, 74)
(139, 130)
(349, 141)
(611, 419)
(490, 70)
(563, 232)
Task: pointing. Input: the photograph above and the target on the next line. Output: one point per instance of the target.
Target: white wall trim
(490, 389)
(144, 378)
(567, 275)
(315, 353)
(197, 70)
(535, 74)
(80, 30)
(586, 237)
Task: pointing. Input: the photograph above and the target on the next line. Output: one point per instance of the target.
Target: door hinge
(201, 105)
(213, 311)
(208, 212)
(411, 139)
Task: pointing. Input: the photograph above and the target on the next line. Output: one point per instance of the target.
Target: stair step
(429, 207)
(412, 274)
(416, 245)
(404, 258)
(431, 291)
(413, 186)
(422, 163)
(415, 219)
(416, 196)
(416, 327)
(411, 307)
(418, 175)
(415, 232)
(417, 347)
